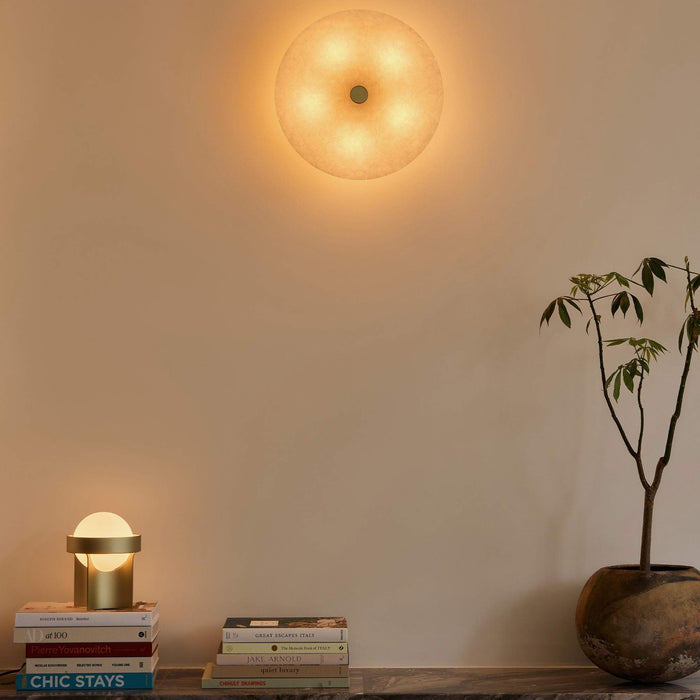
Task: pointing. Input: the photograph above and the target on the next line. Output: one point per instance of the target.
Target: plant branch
(605, 296)
(616, 420)
(684, 269)
(638, 456)
(665, 458)
(691, 294)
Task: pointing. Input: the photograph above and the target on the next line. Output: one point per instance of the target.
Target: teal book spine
(84, 681)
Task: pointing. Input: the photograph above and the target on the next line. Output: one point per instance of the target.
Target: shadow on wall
(533, 630)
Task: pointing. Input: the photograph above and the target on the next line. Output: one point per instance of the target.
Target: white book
(86, 633)
(281, 659)
(105, 664)
(69, 615)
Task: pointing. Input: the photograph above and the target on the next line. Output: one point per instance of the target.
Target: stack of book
(283, 652)
(71, 648)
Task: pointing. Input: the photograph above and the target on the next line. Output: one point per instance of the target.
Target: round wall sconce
(104, 548)
(359, 94)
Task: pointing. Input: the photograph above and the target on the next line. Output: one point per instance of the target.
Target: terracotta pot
(642, 626)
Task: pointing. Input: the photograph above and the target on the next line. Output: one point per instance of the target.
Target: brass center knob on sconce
(359, 94)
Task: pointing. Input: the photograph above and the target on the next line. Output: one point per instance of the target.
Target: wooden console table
(412, 684)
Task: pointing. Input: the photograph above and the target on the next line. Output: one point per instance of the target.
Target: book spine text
(35, 635)
(101, 619)
(107, 664)
(254, 683)
(284, 648)
(83, 681)
(287, 635)
(280, 659)
(90, 649)
(280, 671)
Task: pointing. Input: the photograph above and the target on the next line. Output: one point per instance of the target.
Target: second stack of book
(284, 652)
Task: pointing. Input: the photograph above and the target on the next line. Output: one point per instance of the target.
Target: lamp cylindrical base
(103, 590)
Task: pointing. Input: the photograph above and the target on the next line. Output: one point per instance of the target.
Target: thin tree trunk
(645, 558)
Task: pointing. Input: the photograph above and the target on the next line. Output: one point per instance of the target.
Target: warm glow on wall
(359, 94)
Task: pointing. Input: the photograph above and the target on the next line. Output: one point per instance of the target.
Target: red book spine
(90, 649)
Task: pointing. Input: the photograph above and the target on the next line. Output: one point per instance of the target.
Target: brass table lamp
(104, 547)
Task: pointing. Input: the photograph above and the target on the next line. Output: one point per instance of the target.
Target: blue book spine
(84, 681)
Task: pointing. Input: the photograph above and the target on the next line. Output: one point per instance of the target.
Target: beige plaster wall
(317, 396)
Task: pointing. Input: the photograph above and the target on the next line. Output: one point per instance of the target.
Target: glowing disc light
(359, 94)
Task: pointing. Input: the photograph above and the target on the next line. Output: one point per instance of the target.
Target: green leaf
(574, 304)
(616, 386)
(615, 305)
(657, 267)
(692, 289)
(622, 281)
(638, 308)
(617, 341)
(680, 335)
(690, 330)
(563, 313)
(628, 379)
(548, 313)
(624, 303)
(648, 278)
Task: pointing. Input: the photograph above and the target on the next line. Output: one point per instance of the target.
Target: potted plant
(639, 622)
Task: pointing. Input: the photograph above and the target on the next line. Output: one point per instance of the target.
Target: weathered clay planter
(642, 626)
